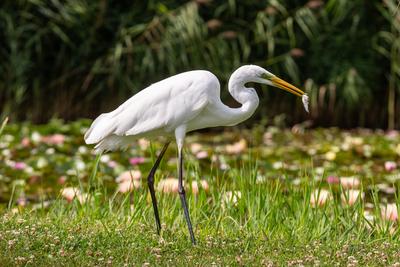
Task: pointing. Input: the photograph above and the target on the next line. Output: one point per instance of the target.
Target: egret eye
(267, 76)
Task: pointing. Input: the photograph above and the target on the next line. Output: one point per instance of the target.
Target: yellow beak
(278, 82)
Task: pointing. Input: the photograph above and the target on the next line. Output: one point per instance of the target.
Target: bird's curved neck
(245, 96)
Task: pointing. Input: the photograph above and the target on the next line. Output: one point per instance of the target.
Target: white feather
(156, 110)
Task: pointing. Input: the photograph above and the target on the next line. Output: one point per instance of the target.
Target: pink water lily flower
(136, 160)
(128, 180)
(22, 201)
(390, 166)
(25, 142)
(143, 143)
(319, 198)
(62, 179)
(389, 212)
(127, 186)
(237, 147)
(351, 196)
(203, 185)
(392, 134)
(55, 139)
(195, 148)
(128, 176)
(69, 193)
(19, 165)
(168, 185)
(349, 182)
(112, 164)
(332, 179)
(202, 154)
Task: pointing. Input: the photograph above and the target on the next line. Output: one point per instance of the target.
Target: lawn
(266, 196)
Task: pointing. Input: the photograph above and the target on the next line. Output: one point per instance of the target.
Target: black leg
(150, 182)
(181, 191)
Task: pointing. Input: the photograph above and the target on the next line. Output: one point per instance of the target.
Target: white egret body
(177, 105)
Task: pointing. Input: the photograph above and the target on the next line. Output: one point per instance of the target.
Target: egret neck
(246, 96)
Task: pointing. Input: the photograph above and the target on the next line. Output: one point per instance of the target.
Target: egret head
(253, 73)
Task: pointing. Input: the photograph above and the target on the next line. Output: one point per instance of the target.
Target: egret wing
(176, 105)
(161, 106)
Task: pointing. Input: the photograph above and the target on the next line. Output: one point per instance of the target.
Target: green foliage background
(77, 58)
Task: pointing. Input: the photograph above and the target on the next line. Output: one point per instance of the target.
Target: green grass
(271, 224)
(89, 242)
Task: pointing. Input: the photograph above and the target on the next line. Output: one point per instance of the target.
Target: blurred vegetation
(78, 58)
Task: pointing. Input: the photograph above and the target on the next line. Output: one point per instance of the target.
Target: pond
(38, 161)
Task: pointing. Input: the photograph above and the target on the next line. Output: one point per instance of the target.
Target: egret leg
(181, 191)
(150, 182)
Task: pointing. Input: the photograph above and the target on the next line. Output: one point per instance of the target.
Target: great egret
(177, 105)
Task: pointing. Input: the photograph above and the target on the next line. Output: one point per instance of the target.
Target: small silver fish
(304, 98)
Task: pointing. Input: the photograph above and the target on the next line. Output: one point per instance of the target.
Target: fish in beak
(281, 84)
